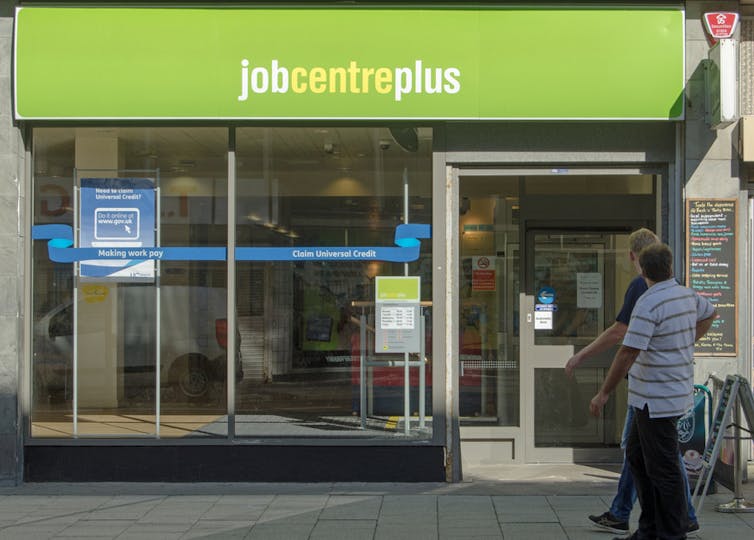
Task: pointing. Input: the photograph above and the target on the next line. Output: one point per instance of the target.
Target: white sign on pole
(397, 318)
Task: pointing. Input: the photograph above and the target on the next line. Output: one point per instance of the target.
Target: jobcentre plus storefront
(328, 243)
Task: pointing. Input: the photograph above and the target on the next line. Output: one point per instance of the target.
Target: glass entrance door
(543, 268)
(489, 286)
(577, 278)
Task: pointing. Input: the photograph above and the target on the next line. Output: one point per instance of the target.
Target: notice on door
(543, 320)
(589, 290)
(483, 277)
(711, 269)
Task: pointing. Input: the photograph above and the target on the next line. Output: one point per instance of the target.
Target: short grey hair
(640, 239)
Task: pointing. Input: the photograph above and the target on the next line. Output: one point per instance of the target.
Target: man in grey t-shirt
(658, 350)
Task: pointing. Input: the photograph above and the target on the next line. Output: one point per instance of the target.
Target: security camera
(384, 144)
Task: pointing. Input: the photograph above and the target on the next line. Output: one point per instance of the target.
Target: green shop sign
(349, 63)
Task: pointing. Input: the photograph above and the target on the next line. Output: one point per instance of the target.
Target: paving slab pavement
(525, 502)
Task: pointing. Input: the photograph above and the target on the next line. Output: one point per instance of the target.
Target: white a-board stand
(736, 391)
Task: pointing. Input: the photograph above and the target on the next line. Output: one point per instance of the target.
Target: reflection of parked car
(193, 339)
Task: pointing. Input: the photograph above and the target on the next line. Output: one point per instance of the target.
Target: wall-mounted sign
(117, 214)
(720, 24)
(721, 84)
(711, 269)
(318, 63)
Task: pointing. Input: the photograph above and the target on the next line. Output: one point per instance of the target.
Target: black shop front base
(233, 463)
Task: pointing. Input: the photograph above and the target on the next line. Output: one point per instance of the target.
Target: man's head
(656, 262)
(372, 269)
(640, 239)
(637, 241)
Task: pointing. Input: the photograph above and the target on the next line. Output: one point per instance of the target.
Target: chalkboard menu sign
(711, 269)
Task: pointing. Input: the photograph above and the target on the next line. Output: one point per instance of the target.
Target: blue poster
(117, 213)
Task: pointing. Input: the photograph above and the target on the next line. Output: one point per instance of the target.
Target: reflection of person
(364, 289)
(657, 354)
(570, 319)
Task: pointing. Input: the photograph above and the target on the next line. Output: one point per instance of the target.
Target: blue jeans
(624, 500)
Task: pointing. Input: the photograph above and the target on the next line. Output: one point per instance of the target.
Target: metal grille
(472, 361)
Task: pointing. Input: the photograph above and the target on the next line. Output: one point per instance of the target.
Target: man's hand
(598, 401)
(622, 362)
(610, 337)
(573, 362)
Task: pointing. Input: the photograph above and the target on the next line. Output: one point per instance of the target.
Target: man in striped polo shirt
(658, 349)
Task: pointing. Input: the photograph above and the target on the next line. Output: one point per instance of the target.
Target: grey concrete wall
(12, 198)
(712, 169)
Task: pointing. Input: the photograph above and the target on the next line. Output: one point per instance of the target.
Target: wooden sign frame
(712, 269)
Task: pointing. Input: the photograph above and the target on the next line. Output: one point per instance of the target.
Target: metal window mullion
(75, 337)
(24, 414)
(231, 287)
(158, 316)
(452, 432)
(406, 371)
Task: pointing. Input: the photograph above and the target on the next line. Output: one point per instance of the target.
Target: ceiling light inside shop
(302, 162)
(345, 186)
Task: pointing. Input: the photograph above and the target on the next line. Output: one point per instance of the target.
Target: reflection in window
(114, 379)
(302, 322)
(299, 324)
(561, 409)
(489, 351)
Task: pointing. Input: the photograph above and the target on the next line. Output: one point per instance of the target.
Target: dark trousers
(652, 453)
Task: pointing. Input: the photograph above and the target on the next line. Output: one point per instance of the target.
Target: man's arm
(704, 325)
(622, 362)
(609, 338)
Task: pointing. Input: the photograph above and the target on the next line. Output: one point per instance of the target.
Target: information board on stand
(736, 392)
(397, 313)
(711, 269)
